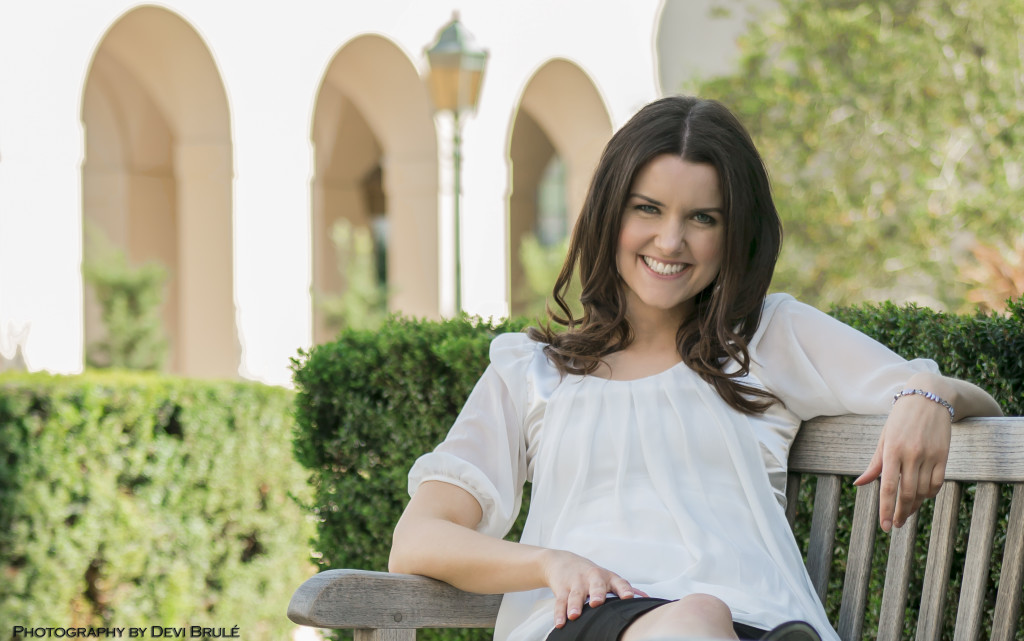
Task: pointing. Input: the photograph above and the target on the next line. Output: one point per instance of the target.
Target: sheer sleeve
(485, 450)
(819, 366)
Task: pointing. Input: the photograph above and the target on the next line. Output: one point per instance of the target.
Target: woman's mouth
(664, 269)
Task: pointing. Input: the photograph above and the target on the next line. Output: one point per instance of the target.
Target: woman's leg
(697, 615)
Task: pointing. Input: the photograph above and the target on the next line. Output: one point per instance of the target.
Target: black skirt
(607, 622)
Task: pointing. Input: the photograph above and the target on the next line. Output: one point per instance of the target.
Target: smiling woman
(656, 427)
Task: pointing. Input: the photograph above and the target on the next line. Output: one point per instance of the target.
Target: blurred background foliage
(893, 135)
(362, 303)
(130, 299)
(136, 499)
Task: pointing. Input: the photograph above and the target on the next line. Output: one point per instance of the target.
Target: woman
(656, 428)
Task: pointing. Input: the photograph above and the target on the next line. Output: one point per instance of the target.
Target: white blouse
(657, 479)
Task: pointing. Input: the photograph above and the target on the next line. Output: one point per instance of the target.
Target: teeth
(663, 268)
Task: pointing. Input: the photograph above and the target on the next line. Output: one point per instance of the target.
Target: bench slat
(793, 482)
(823, 532)
(363, 599)
(976, 565)
(940, 558)
(1008, 598)
(897, 581)
(981, 449)
(858, 562)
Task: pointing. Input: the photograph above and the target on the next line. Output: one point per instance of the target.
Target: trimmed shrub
(141, 500)
(370, 403)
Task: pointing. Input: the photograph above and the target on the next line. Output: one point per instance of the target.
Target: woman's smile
(664, 268)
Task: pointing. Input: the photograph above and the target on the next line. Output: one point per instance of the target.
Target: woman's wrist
(935, 398)
(934, 387)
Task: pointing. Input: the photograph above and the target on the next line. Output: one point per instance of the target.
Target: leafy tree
(362, 303)
(893, 132)
(129, 299)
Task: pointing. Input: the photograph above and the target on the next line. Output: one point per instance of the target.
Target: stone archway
(376, 160)
(157, 179)
(557, 135)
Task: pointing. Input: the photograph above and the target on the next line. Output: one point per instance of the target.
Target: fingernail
(886, 525)
(572, 612)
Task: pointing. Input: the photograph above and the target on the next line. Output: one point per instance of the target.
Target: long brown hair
(727, 312)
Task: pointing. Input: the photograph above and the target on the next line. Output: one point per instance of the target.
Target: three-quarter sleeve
(819, 366)
(485, 453)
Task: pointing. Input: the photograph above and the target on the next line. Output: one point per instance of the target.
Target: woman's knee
(704, 606)
(697, 615)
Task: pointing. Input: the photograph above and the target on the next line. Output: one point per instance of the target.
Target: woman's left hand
(911, 454)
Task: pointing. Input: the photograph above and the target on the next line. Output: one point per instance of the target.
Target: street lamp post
(456, 73)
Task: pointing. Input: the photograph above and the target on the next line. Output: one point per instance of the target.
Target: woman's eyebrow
(650, 200)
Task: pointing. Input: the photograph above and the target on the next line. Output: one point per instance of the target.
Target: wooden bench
(990, 452)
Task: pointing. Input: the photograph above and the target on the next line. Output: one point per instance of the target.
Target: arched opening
(556, 138)
(156, 181)
(375, 178)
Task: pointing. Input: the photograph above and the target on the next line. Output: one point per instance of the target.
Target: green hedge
(140, 500)
(370, 403)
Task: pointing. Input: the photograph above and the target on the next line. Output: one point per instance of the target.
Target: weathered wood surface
(361, 599)
(823, 532)
(858, 562)
(982, 449)
(897, 581)
(389, 607)
(1008, 598)
(976, 565)
(940, 558)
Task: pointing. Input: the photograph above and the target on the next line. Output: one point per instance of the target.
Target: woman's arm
(436, 537)
(914, 446)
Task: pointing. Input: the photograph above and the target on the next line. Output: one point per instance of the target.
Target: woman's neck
(652, 350)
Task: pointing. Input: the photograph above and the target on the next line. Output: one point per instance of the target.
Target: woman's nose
(670, 236)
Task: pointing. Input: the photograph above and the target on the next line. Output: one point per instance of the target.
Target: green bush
(370, 403)
(140, 500)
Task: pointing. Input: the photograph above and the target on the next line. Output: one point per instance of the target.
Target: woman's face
(672, 237)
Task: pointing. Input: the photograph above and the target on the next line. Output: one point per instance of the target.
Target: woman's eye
(647, 209)
(704, 219)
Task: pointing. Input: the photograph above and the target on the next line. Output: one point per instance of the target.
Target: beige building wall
(225, 153)
(156, 181)
(560, 113)
(373, 115)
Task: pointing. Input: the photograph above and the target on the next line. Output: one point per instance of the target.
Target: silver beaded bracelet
(931, 397)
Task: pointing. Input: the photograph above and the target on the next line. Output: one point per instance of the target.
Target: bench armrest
(346, 599)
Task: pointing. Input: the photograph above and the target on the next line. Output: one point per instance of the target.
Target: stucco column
(580, 165)
(413, 268)
(208, 338)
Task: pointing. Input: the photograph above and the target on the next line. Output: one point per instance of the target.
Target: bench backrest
(985, 452)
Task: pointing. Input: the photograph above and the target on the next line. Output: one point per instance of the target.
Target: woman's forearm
(465, 558)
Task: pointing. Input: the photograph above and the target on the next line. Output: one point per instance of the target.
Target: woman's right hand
(573, 579)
